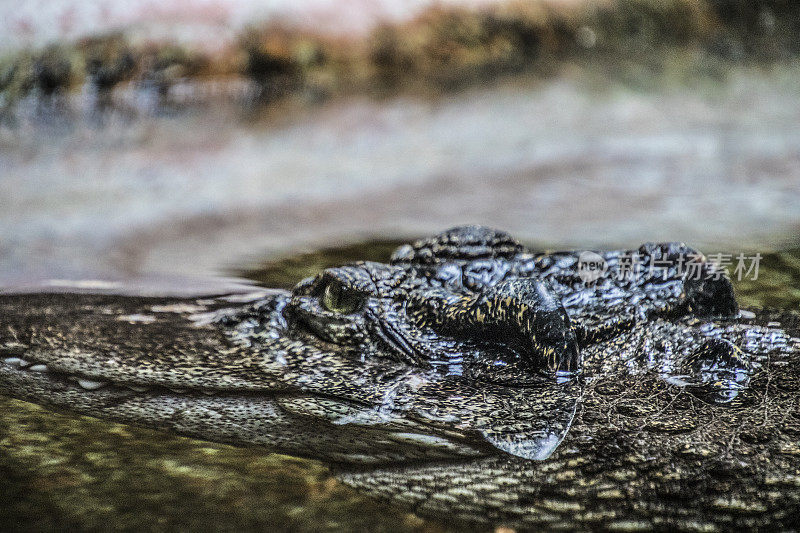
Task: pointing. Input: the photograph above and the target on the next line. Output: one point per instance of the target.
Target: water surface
(573, 161)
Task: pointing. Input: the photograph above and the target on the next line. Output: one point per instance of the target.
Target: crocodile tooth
(88, 384)
(136, 388)
(14, 361)
(177, 391)
(38, 368)
(209, 392)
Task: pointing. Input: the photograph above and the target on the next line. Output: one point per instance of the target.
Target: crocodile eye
(337, 299)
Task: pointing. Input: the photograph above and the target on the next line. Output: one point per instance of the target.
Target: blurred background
(149, 140)
(202, 136)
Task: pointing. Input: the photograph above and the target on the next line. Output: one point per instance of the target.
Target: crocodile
(469, 378)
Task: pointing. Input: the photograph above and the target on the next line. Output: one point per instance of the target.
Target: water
(561, 163)
(778, 283)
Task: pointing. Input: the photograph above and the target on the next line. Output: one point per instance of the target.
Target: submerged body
(470, 378)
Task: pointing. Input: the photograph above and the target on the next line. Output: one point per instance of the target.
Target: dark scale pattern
(438, 382)
(641, 455)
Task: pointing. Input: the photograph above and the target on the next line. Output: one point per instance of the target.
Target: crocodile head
(447, 379)
(465, 345)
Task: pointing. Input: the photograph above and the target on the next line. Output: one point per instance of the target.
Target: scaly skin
(470, 379)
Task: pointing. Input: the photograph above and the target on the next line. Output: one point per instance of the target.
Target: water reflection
(107, 192)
